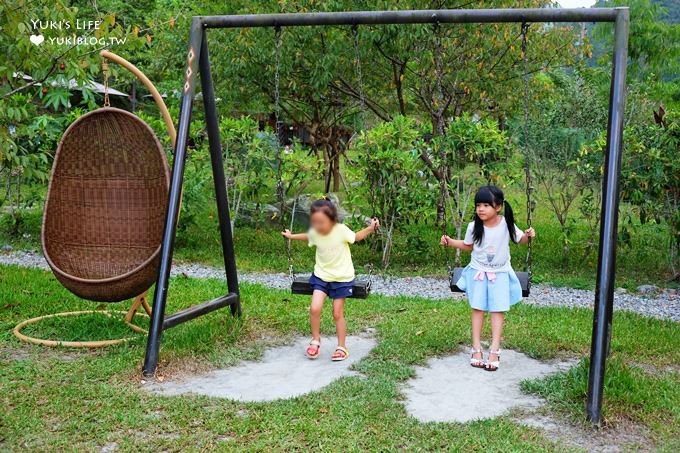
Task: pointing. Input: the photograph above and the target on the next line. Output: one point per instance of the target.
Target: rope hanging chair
(105, 207)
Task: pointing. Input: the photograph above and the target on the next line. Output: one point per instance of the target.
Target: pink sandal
(313, 350)
(340, 354)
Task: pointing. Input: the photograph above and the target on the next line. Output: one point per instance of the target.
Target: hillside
(672, 8)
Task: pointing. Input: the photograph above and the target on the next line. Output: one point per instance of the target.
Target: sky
(576, 3)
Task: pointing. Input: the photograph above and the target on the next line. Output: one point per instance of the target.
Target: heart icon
(37, 39)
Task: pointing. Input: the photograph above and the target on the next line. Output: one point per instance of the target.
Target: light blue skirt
(487, 295)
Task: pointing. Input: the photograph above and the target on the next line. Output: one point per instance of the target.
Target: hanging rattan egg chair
(105, 206)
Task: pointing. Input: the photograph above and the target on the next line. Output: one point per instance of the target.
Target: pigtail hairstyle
(510, 221)
(493, 196)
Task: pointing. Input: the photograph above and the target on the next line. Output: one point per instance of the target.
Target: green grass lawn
(67, 400)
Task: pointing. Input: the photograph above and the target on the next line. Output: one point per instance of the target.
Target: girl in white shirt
(489, 281)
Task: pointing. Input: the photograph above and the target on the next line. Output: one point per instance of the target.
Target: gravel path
(663, 304)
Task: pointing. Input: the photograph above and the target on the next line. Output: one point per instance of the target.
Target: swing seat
(360, 290)
(458, 271)
(105, 206)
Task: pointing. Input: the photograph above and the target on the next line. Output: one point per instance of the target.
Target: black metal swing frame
(198, 62)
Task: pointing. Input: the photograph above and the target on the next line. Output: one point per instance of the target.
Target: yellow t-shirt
(333, 258)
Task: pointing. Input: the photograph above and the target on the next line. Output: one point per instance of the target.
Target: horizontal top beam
(414, 17)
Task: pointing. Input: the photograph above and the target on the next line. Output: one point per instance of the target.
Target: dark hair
(494, 196)
(325, 206)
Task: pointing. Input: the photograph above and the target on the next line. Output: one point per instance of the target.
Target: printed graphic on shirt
(493, 254)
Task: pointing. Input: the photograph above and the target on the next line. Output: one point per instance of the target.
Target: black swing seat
(360, 290)
(458, 271)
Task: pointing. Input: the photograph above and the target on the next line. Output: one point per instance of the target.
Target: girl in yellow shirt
(333, 270)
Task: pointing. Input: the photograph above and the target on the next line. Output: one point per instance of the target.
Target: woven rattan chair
(105, 208)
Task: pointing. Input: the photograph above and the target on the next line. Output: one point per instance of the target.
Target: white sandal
(340, 354)
(495, 364)
(477, 363)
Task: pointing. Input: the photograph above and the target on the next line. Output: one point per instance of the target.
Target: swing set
(198, 62)
(105, 239)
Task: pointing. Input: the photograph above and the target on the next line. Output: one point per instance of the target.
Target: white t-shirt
(493, 254)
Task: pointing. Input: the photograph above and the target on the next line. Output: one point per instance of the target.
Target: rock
(620, 291)
(282, 373)
(647, 289)
(6, 248)
(304, 204)
(252, 214)
(363, 219)
(271, 213)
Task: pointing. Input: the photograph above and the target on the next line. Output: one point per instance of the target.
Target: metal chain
(359, 75)
(447, 250)
(277, 115)
(105, 70)
(280, 190)
(364, 108)
(440, 111)
(438, 75)
(527, 158)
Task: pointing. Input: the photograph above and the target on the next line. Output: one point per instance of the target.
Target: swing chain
(105, 70)
(444, 186)
(362, 118)
(280, 189)
(359, 75)
(527, 157)
(289, 251)
(447, 250)
(438, 76)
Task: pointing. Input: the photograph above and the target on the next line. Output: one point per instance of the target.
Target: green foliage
(479, 142)
(392, 173)
(567, 114)
(300, 169)
(650, 176)
(654, 47)
(249, 161)
(27, 143)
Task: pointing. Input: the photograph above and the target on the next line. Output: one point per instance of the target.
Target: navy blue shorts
(334, 290)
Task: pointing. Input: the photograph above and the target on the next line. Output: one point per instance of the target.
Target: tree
(392, 176)
(444, 71)
(567, 114)
(654, 48)
(35, 84)
(650, 176)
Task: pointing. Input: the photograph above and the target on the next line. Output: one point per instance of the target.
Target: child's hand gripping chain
(333, 270)
(489, 281)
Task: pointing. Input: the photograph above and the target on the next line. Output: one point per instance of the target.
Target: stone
(448, 389)
(647, 289)
(6, 248)
(283, 372)
(304, 204)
